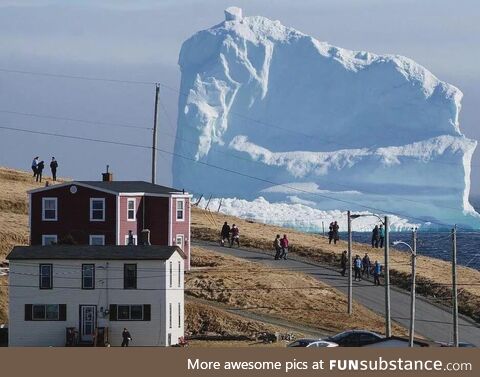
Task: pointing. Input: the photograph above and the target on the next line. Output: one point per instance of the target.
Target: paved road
(432, 321)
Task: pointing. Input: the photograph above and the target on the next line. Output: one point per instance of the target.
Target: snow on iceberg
(363, 131)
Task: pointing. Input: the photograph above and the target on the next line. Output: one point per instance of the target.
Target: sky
(140, 41)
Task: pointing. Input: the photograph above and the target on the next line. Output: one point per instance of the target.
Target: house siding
(182, 227)
(73, 215)
(151, 289)
(126, 225)
(156, 219)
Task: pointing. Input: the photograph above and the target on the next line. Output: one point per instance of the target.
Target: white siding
(151, 289)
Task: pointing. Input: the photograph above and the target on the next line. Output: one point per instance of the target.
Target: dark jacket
(54, 165)
(126, 335)
(40, 166)
(225, 231)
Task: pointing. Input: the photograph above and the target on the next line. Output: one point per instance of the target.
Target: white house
(96, 290)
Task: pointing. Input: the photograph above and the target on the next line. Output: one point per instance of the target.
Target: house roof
(108, 252)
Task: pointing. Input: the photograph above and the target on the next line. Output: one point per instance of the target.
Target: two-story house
(103, 213)
(60, 290)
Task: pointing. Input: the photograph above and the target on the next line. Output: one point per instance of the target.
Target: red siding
(156, 219)
(182, 227)
(125, 225)
(73, 217)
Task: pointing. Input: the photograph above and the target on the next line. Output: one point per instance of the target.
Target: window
(97, 209)
(134, 239)
(49, 239)
(179, 315)
(169, 339)
(49, 209)
(88, 276)
(170, 316)
(129, 276)
(180, 209)
(97, 240)
(46, 312)
(125, 312)
(179, 274)
(131, 209)
(46, 276)
(179, 240)
(171, 273)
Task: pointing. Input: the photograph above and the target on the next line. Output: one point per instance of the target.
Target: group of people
(38, 166)
(378, 236)
(362, 267)
(333, 233)
(230, 235)
(281, 247)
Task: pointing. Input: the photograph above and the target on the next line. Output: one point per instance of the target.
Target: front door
(88, 322)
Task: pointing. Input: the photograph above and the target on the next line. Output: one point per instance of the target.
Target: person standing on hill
(381, 235)
(235, 236)
(34, 166)
(343, 262)
(366, 265)
(284, 245)
(375, 237)
(377, 270)
(225, 234)
(53, 168)
(336, 235)
(40, 167)
(357, 265)
(277, 245)
(330, 233)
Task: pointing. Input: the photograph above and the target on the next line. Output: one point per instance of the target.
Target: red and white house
(103, 212)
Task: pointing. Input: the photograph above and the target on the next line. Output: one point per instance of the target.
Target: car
(354, 338)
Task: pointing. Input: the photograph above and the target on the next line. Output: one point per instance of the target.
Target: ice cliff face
(320, 123)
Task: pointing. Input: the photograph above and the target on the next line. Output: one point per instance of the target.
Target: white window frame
(179, 274)
(135, 240)
(43, 209)
(182, 237)
(44, 236)
(92, 236)
(179, 315)
(171, 275)
(45, 309)
(134, 201)
(91, 209)
(170, 315)
(183, 209)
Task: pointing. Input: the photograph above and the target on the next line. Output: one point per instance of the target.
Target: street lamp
(385, 222)
(413, 250)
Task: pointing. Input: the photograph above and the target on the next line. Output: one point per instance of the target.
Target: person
(366, 265)
(377, 270)
(357, 265)
(126, 337)
(34, 166)
(343, 262)
(225, 234)
(277, 245)
(235, 235)
(284, 245)
(375, 237)
(330, 233)
(336, 235)
(40, 167)
(53, 168)
(382, 235)
(131, 239)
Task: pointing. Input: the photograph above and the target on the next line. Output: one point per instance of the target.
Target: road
(432, 321)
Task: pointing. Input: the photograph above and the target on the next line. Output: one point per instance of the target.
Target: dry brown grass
(290, 296)
(433, 275)
(3, 299)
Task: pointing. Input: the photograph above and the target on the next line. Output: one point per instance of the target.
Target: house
(103, 213)
(94, 292)
(400, 342)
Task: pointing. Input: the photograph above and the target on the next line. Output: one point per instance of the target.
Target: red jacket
(284, 242)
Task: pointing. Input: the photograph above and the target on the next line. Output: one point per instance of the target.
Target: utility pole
(388, 320)
(412, 289)
(349, 264)
(154, 143)
(454, 286)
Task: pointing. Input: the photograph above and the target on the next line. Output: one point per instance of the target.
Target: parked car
(354, 338)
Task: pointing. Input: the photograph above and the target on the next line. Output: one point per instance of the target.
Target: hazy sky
(140, 40)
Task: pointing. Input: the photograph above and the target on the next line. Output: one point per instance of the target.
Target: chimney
(107, 177)
(145, 237)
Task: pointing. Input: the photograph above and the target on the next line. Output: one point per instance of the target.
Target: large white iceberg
(334, 128)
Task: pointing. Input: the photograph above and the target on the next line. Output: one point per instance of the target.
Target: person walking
(277, 245)
(377, 270)
(336, 235)
(366, 265)
(235, 236)
(330, 233)
(126, 337)
(357, 264)
(381, 234)
(343, 262)
(284, 245)
(375, 237)
(225, 234)
(34, 166)
(40, 167)
(53, 168)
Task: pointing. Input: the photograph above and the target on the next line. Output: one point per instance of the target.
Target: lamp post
(413, 250)
(385, 222)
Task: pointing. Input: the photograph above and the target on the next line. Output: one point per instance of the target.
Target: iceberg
(268, 112)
